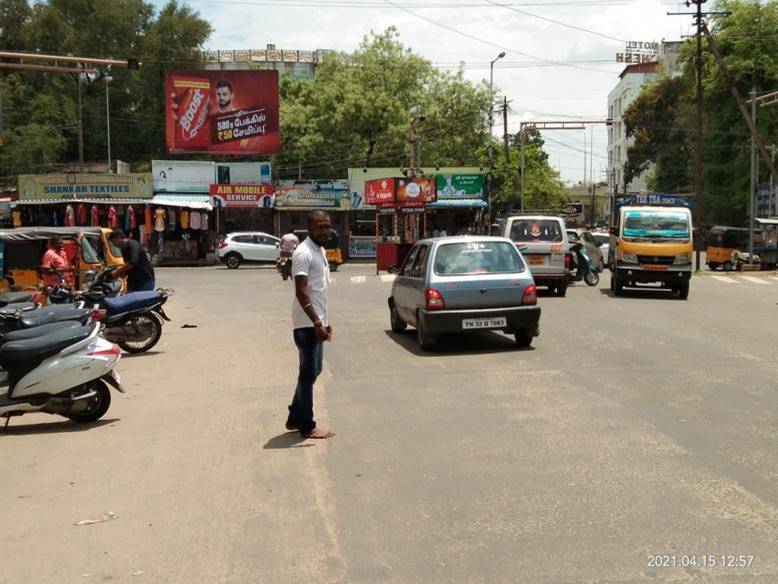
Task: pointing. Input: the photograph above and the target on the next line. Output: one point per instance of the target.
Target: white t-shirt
(310, 260)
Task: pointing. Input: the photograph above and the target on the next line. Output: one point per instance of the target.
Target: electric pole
(698, 132)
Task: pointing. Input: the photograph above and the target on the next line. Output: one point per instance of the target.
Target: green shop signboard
(460, 186)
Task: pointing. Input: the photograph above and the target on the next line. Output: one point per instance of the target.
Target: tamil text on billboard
(313, 194)
(84, 186)
(379, 191)
(460, 186)
(222, 112)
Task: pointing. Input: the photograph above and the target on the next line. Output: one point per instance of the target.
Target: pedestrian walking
(311, 326)
(140, 272)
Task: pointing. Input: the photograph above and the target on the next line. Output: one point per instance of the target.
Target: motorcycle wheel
(592, 278)
(94, 407)
(144, 345)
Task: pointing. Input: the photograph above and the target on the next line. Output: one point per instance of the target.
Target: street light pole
(108, 120)
(490, 149)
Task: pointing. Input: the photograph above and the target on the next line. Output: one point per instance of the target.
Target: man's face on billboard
(223, 96)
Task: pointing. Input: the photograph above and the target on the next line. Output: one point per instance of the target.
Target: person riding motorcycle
(289, 242)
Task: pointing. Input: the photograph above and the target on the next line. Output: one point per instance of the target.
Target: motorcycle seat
(38, 331)
(49, 314)
(27, 353)
(131, 301)
(15, 297)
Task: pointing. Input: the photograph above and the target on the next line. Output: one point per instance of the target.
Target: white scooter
(59, 368)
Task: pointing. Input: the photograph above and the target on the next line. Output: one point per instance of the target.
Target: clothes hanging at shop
(147, 220)
(159, 220)
(81, 214)
(95, 216)
(129, 219)
(70, 216)
(195, 220)
(113, 218)
(184, 219)
(16, 216)
(171, 218)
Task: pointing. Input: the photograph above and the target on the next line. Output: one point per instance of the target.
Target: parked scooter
(586, 270)
(61, 368)
(23, 297)
(133, 321)
(12, 319)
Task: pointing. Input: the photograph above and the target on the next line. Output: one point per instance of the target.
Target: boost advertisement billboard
(222, 112)
(415, 192)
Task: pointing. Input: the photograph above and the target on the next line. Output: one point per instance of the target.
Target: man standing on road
(309, 319)
(140, 272)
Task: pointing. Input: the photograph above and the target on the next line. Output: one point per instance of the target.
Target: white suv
(246, 246)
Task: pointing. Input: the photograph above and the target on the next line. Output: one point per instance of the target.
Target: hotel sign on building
(638, 52)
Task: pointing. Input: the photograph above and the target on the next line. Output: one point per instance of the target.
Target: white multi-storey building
(631, 81)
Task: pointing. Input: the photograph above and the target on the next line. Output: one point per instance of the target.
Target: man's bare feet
(319, 434)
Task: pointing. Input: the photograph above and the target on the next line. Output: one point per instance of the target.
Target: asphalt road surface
(635, 427)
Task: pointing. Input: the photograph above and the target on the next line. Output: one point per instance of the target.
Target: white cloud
(532, 86)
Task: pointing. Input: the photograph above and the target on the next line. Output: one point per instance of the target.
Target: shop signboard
(84, 186)
(182, 176)
(312, 194)
(222, 112)
(379, 191)
(460, 186)
(362, 246)
(243, 196)
(415, 192)
(243, 173)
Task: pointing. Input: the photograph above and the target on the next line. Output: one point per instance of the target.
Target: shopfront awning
(458, 204)
(202, 202)
(72, 201)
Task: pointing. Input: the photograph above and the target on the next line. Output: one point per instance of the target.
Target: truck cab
(651, 245)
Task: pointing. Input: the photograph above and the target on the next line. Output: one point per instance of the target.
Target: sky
(550, 71)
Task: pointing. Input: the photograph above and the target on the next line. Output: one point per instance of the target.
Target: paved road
(635, 426)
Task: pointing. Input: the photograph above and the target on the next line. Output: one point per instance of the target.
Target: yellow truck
(651, 244)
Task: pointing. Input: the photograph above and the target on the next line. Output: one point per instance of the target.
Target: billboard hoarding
(222, 112)
(182, 176)
(413, 192)
(84, 186)
(379, 191)
(460, 186)
(333, 194)
(245, 196)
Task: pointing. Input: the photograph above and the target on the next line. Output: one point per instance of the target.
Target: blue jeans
(311, 351)
(147, 286)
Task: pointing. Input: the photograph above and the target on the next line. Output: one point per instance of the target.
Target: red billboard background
(416, 191)
(222, 112)
(379, 191)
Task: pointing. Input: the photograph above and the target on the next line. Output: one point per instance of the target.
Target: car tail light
(568, 260)
(530, 297)
(434, 300)
(222, 245)
(99, 313)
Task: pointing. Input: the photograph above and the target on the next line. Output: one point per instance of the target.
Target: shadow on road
(640, 294)
(286, 440)
(133, 355)
(481, 343)
(52, 427)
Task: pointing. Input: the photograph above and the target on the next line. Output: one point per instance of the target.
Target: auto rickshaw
(331, 247)
(722, 241)
(22, 249)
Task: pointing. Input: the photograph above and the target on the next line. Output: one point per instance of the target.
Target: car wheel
(713, 266)
(683, 291)
(232, 261)
(398, 324)
(727, 267)
(426, 341)
(617, 285)
(523, 339)
(561, 290)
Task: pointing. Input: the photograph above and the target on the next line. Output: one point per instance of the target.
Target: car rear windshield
(477, 257)
(531, 230)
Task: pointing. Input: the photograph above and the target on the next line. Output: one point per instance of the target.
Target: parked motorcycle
(284, 265)
(587, 270)
(12, 319)
(133, 321)
(22, 297)
(62, 368)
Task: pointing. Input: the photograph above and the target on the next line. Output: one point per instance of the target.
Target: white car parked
(245, 246)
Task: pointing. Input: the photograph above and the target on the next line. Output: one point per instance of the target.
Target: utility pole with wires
(505, 129)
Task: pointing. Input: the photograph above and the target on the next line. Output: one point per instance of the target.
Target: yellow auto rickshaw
(331, 247)
(22, 249)
(722, 241)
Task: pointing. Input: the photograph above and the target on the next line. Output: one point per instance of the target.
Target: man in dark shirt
(140, 272)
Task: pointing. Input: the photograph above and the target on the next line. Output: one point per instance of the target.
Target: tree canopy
(661, 120)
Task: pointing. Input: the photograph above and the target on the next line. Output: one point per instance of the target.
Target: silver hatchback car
(461, 284)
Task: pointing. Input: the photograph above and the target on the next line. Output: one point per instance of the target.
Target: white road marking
(358, 279)
(755, 280)
(388, 277)
(726, 279)
(774, 277)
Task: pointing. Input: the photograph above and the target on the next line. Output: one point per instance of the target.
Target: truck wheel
(727, 267)
(523, 339)
(683, 291)
(618, 285)
(713, 266)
